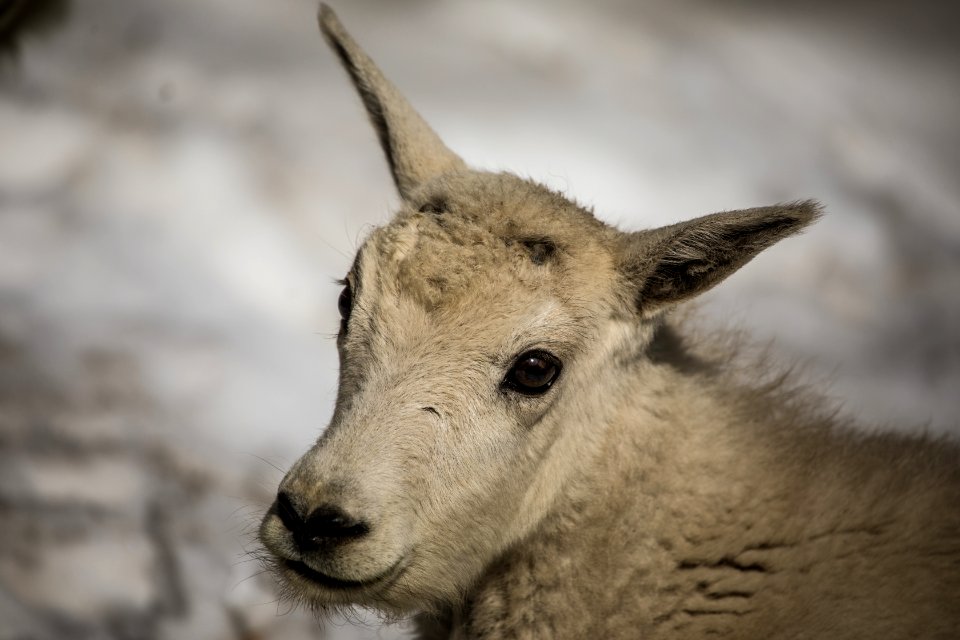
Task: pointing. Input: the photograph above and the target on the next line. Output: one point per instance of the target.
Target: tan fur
(649, 493)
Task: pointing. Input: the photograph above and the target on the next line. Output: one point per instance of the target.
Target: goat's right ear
(672, 264)
(414, 152)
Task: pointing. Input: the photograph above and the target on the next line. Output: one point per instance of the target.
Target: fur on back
(721, 508)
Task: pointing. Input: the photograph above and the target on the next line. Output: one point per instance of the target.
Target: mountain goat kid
(524, 446)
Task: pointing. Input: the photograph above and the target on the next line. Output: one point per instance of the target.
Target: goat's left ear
(414, 152)
(672, 264)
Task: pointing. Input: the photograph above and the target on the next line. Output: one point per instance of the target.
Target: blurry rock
(22, 18)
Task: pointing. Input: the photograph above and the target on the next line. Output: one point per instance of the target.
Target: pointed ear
(414, 152)
(672, 264)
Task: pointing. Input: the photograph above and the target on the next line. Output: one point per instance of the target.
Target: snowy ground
(180, 183)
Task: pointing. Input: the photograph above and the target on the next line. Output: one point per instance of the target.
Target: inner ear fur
(671, 264)
(414, 151)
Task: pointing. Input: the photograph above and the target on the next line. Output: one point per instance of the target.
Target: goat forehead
(475, 236)
(440, 263)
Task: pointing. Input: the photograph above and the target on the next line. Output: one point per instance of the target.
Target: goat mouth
(316, 577)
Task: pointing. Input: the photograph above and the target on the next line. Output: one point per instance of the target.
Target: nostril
(328, 521)
(288, 514)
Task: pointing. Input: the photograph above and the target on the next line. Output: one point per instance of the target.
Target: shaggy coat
(525, 445)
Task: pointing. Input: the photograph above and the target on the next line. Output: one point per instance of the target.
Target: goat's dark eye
(533, 373)
(345, 303)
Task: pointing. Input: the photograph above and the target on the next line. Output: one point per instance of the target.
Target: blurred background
(182, 181)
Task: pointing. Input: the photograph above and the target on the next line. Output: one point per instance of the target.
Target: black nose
(327, 524)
